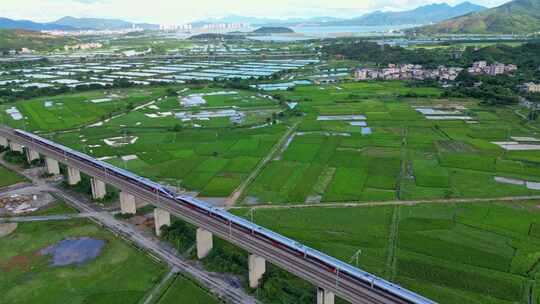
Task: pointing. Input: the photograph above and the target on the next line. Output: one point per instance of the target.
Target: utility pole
(356, 256)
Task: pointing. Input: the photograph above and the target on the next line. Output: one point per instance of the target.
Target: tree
(171, 92)
(465, 78)
(177, 128)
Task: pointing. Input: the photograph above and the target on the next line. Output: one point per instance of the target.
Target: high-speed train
(342, 270)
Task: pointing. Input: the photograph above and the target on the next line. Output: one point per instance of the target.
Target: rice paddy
(452, 253)
(361, 142)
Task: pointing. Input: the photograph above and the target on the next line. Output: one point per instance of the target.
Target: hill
(17, 39)
(6, 23)
(273, 30)
(421, 15)
(518, 16)
(100, 24)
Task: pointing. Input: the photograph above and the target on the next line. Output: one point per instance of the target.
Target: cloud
(179, 11)
(89, 1)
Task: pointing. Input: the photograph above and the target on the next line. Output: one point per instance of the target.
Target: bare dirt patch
(24, 201)
(454, 146)
(21, 262)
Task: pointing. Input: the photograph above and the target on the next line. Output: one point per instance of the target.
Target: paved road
(45, 218)
(231, 200)
(393, 203)
(158, 289)
(14, 187)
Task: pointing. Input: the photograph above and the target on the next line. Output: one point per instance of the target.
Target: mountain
(71, 24)
(100, 24)
(518, 16)
(422, 15)
(6, 23)
(17, 39)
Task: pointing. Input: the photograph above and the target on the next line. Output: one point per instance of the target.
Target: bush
(226, 258)
(279, 286)
(15, 158)
(179, 234)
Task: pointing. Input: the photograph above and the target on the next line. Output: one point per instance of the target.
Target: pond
(73, 251)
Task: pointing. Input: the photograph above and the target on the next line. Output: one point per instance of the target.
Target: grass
(183, 290)
(55, 208)
(120, 274)
(8, 177)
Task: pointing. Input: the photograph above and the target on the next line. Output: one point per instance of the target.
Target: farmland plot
(455, 253)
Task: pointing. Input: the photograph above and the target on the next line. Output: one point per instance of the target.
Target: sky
(185, 11)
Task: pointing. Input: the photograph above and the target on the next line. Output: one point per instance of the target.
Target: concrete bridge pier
(127, 203)
(31, 155)
(53, 168)
(15, 147)
(161, 218)
(4, 142)
(324, 296)
(205, 242)
(257, 268)
(73, 176)
(99, 189)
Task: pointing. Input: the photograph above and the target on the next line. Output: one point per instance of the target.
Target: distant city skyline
(179, 12)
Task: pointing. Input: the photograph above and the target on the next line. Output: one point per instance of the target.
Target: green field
(184, 291)
(337, 232)
(454, 253)
(76, 109)
(211, 159)
(55, 208)
(407, 157)
(120, 274)
(8, 177)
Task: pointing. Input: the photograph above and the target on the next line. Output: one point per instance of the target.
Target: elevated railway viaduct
(331, 276)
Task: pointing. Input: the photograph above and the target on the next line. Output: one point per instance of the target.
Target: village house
(530, 87)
